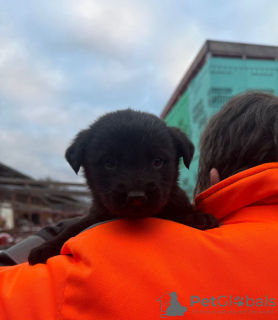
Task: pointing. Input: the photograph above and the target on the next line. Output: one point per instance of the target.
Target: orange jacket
(151, 268)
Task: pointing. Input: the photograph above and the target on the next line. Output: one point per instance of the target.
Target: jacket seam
(63, 295)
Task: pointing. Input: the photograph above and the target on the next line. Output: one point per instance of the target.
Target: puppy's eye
(158, 162)
(110, 163)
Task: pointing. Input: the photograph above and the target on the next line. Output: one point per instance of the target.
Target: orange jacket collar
(256, 185)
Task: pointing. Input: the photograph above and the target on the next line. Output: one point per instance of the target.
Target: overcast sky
(63, 63)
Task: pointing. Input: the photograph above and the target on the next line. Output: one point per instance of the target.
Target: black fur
(130, 160)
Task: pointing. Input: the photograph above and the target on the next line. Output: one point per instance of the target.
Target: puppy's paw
(202, 221)
(42, 253)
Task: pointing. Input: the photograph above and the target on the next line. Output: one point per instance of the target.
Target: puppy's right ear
(75, 152)
(184, 146)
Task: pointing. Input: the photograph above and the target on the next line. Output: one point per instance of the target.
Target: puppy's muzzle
(136, 198)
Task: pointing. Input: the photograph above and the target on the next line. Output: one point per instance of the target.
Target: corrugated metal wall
(218, 80)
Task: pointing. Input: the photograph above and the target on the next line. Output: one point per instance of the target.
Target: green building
(220, 71)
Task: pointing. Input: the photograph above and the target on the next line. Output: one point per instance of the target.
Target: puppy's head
(130, 161)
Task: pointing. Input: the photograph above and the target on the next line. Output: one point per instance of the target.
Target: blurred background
(65, 63)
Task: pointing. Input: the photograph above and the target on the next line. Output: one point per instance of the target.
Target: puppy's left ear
(75, 152)
(183, 145)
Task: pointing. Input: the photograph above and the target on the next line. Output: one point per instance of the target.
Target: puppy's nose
(136, 197)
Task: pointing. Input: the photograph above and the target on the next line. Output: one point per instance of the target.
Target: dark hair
(242, 135)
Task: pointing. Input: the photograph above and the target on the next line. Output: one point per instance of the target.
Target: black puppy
(130, 161)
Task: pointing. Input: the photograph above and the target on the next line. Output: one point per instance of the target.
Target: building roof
(213, 48)
(7, 172)
(52, 193)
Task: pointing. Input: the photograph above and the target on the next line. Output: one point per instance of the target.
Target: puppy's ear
(183, 145)
(75, 152)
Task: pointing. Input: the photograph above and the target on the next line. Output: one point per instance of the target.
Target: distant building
(220, 71)
(26, 204)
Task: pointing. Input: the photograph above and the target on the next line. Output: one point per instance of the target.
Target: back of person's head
(242, 135)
